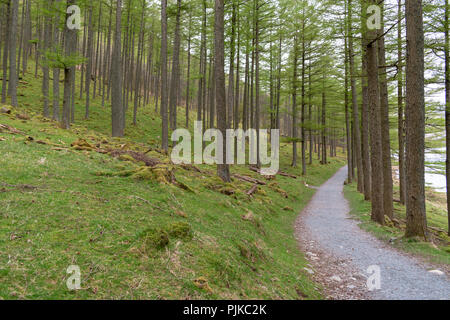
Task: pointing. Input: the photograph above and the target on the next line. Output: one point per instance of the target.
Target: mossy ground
(56, 210)
(435, 251)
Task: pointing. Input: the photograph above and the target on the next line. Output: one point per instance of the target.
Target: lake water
(435, 180)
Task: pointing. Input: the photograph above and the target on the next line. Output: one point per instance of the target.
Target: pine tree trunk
(401, 121)
(356, 122)
(223, 170)
(89, 62)
(117, 110)
(375, 128)
(365, 148)
(164, 111)
(175, 79)
(416, 222)
(385, 128)
(69, 72)
(447, 103)
(6, 50)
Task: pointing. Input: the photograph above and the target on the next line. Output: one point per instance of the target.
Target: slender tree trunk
(175, 79)
(165, 123)
(347, 116)
(45, 68)
(223, 170)
(324, 122)
(294, 104)
(365, 148)
(302, 120)
(13, 78)
(447, 104)
(188, 80)
(416, 221)
(117, 110)
(69, 71)
(401, 121)
(89, 62)
(56, 73)
(6, 50)
(230, 100)
(375, 128)
(385, 127)
(355, 107)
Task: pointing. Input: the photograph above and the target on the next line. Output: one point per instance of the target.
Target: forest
(93, 93)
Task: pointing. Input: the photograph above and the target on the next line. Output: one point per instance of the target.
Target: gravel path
(340, 254)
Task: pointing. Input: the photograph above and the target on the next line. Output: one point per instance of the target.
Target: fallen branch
(284, 174)
(21, 186)
(10, 129)
(253, 190)
(249, 179)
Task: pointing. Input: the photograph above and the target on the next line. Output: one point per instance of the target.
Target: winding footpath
(340, 254)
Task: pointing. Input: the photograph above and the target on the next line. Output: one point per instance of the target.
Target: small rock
(436, 272)
(5, 110)
(23, 117)
(308, 270)
(336, 279)
(351, 287)
(248, 217)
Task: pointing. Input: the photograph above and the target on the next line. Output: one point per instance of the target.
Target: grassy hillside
(139, 232)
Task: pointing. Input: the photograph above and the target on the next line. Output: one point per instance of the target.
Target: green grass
(107, 225)
(437, 251)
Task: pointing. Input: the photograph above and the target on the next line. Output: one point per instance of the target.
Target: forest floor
(137, 226)
(340, 252)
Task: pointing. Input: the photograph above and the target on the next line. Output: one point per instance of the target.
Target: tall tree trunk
(375, 127)
(230, 99)
(223, 170)
(416, 221)
(355, 107)
(324, 122)
(385, 127)
(447, 106)
(13, 78)
(175, 79)
(401, 120)
(365, 148)
(89, 62)
(347, 116)
(188, 80)
(257, 84)
(45, 68)
(69, 71)
(6, 50)
(117, 110)
(164, 111)
(294, 104)
(56, 73)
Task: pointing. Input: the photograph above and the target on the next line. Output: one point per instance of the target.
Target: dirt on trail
(342, 257)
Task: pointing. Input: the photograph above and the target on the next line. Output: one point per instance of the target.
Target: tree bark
(164, 111)
(388, 201)
(401, 120)
(375, 127)
(117, 110)
(175, 79)
(447, 104)
(223, 170)
(416, 222)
